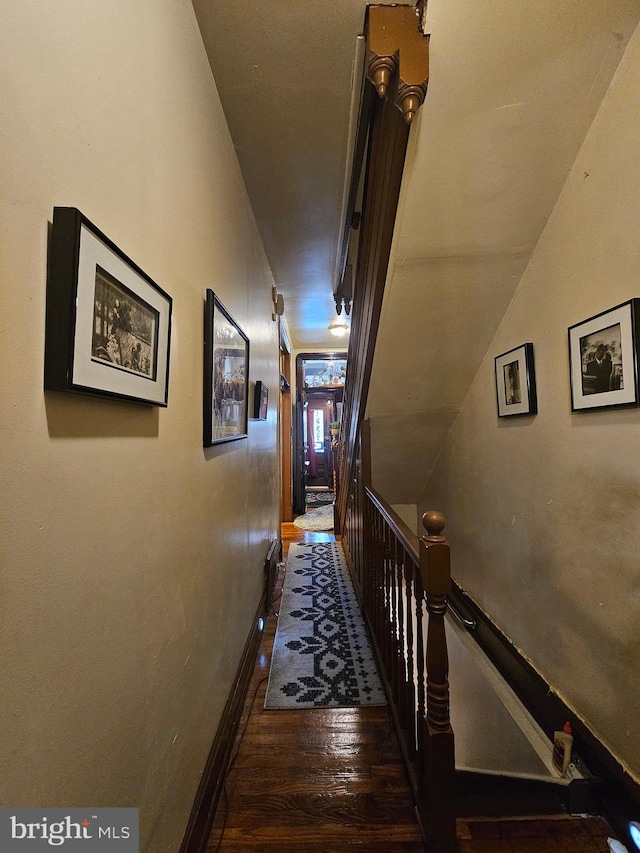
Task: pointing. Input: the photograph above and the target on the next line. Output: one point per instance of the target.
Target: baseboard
(208, 795)
(272, 560)
(620, 795)
(484, 795)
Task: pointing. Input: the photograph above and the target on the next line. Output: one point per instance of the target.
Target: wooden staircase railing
(403, 582)
(397, 71)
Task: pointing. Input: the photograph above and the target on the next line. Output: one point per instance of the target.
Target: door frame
(285, 430)
(298, 433)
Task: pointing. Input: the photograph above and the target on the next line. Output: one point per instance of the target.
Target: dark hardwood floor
(330, 780)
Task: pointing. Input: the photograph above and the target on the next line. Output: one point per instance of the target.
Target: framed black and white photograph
(108, 325)
(603, 359)
(260, 401)
(226, 369)
(516, 382)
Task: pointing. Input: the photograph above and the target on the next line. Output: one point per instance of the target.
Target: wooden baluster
(421, 672)
(373, 574)
(438, 759)
(410, 690)
(384, 597)
(393, 628)
(379, 589)
(393, 612)
(367, 535)
(401, 660)
(368, 566)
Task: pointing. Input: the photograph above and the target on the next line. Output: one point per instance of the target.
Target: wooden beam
(397, 45)
(398, 68)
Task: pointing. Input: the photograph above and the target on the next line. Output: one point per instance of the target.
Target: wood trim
(301, 393)
(398, 71)
(620, 794)
(285, 342)
(209, 790)
(389, 135)
(397, 46)
(301, 357)
(285, 425)
(351, 219)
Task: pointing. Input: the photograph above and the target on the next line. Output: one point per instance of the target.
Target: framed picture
(260, 401)
(603, 359)
(226, 369)
(516, 382)
(108, 325)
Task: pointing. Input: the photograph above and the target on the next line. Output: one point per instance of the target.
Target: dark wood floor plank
(327, 833)
(278, 845)
(300, 807)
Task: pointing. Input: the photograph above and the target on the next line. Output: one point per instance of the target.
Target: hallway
(313, 780)
(328, 780)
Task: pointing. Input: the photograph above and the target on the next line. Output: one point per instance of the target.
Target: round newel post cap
(434, 523)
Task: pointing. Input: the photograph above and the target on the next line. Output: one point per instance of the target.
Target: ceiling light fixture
(338, 327)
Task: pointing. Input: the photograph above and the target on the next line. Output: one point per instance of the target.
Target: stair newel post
(438, 759)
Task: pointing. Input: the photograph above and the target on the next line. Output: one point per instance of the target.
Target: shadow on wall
(81, 416)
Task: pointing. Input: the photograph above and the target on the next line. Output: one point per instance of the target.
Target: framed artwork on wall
(226, 370)
(516, 382)
(260, 401)
(603, 359)
(108, 324)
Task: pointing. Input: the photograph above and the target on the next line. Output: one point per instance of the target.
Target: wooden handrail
(401, 581)
(404, 533)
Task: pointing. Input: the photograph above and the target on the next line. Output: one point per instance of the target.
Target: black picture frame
(515, 376)
(260, 401)
(108, 324)
(226, 372)
(603, 359)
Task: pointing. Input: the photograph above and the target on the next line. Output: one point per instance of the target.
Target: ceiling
(283, 70)
(513, 90)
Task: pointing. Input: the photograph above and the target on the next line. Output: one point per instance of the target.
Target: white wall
(409, 514)
(132, 559)
(543, 511)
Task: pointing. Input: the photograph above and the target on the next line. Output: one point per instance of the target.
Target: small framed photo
(516, 382)
(108, 325)
(603, 359)
(260, 401)
(226, 369)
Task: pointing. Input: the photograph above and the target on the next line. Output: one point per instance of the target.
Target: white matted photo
(516, 382)
(603, 359)
(108, 323)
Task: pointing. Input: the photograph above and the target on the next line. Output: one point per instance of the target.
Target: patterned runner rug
(321, 655)
(314, 499)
